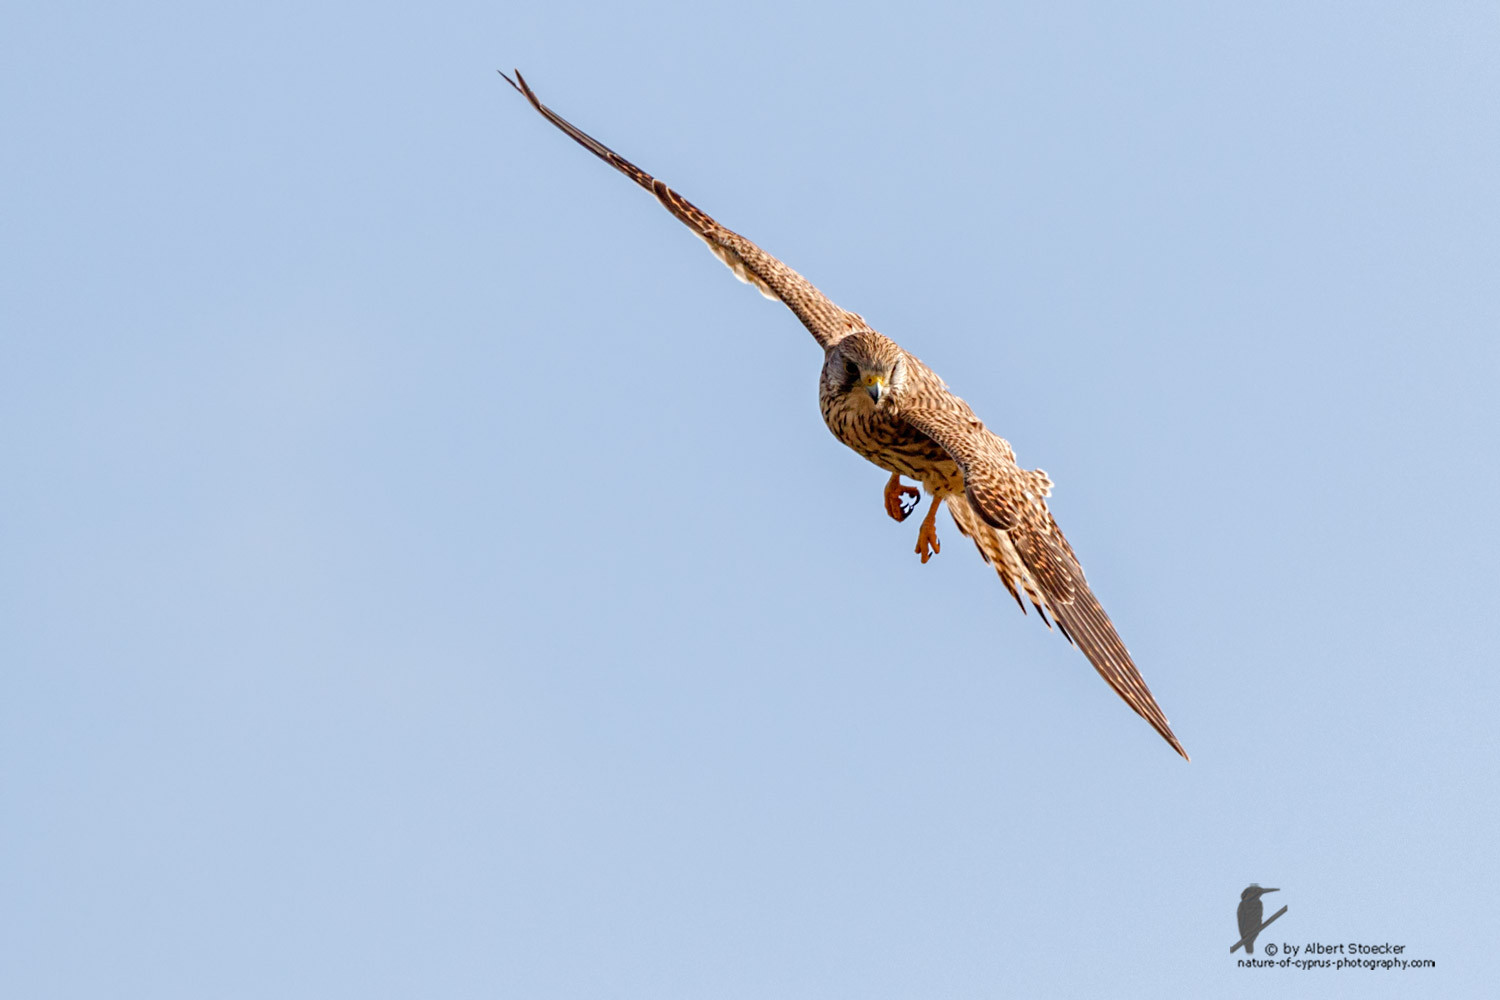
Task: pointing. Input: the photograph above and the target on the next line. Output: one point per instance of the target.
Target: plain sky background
(426, 574)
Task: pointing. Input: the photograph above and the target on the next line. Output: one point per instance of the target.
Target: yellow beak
(875, 386)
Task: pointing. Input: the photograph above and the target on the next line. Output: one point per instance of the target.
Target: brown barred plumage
(893, 410)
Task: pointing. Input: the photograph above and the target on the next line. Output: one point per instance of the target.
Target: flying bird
(895, 411)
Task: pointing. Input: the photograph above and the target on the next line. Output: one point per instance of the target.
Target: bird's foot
(897, 503)
(927, 539)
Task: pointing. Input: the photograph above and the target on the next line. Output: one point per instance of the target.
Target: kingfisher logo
(1250, 911)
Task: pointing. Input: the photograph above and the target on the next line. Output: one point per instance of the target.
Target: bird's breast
(888, 441)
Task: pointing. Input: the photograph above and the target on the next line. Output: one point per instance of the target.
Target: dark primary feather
(1084, 622)
(824, 320)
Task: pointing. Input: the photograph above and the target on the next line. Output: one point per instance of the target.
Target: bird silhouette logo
(1249, 914)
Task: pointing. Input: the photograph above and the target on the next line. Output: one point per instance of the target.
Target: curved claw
(900, 500)
(927, 539)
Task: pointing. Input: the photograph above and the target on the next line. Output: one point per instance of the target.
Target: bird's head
(1253, 891)
(867, 367)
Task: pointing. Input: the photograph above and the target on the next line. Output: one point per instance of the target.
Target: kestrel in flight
(896, 412)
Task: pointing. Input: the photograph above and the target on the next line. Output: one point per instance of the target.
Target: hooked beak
(875, 386)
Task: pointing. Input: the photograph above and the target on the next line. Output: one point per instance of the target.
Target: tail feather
(996, 550)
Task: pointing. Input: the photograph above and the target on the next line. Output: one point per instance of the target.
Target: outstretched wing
(826, 321)
(1011, 502)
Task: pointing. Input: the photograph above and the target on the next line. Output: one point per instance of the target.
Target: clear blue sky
(425, 572)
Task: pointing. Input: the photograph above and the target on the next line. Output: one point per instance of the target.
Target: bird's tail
(997, 550)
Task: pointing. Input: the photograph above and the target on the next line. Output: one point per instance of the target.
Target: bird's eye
(852, 370)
